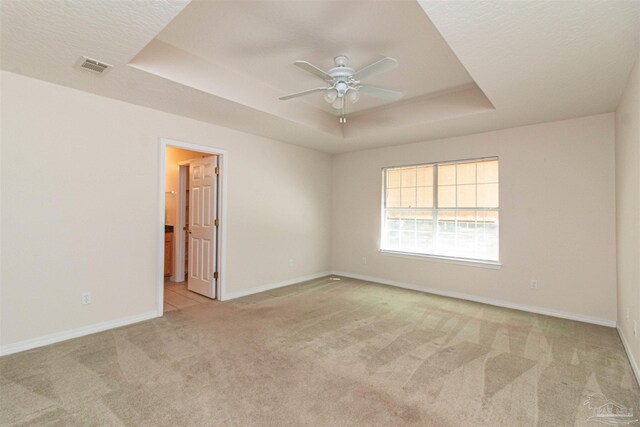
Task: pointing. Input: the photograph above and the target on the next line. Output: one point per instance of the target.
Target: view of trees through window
(445, 209)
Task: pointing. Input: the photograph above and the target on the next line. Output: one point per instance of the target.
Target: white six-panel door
(202, 235)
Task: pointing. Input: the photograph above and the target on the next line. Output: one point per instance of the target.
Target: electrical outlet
(86, 298)
(534, 284)
(291, 262)
(364, 260)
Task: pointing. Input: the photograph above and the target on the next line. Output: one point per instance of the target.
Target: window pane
(393, 224)
(489, 218)
(425, 176)
(467, 217)
(393, 198)
(447, 175)
(446, 241)
(424, 232)
(393, 178)
(424, 243)
(446, 196)
(393, 214)
(487, 195)
(393, 240)
(408, 231)
(488, 172)
(408, 199)
(409, 177)
(407, 241)
(466, 234)
(466, 173)
(466, 196)
(446, 220)
(400, 215)
(392, 221)
(424, 221)
(488, 236)
(425, 197)
(408, 224)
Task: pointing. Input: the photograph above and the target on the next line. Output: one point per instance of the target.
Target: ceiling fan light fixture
(330, 95)
(354, 95)
(338, 103)
(342, 88)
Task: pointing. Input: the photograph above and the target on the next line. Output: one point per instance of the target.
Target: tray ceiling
(465, 66)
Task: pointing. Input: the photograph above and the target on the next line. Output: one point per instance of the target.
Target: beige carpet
(324, 353)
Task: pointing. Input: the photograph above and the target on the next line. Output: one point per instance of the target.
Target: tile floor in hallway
(177, 296)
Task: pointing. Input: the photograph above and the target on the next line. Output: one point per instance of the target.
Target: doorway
(193, 205)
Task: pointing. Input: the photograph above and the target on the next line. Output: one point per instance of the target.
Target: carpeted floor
(325, 353)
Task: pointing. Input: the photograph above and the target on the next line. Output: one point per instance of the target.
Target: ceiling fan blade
(313, 70)
(386, 94)
(306, 92)
(385, 64)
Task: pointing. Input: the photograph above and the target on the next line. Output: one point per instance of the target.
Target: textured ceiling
(534, 60)
(557, 57)
(45, 39)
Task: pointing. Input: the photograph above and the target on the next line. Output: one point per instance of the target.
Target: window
(442, 209)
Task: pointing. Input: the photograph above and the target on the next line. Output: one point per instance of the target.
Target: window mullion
(476, 249)
(435, 209)
(415, 212)
(385, 214)
(455, 214)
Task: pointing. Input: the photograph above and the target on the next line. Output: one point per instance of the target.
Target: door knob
(187, 229)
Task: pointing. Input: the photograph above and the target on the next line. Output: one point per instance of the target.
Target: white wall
(628, 212)
(557, 217)
(80, 207)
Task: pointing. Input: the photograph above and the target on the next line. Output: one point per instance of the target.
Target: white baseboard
(269, 286)
(74, 333)
(99, 327)
(632, 360)
(483, 300)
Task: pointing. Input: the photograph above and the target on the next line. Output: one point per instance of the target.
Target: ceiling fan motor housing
(342, 73)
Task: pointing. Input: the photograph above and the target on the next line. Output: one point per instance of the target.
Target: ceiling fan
(342, 82)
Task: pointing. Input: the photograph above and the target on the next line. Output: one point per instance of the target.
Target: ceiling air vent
(93, 65)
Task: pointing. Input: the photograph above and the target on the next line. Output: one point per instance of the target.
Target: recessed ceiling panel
(260, 40)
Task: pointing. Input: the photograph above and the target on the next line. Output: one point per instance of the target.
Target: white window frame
(494, 264)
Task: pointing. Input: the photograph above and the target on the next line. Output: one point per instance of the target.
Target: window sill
(493, 265)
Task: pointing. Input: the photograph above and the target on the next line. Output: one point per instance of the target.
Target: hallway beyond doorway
(177, 296)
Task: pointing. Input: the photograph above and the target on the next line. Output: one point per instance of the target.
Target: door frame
(221, 261)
